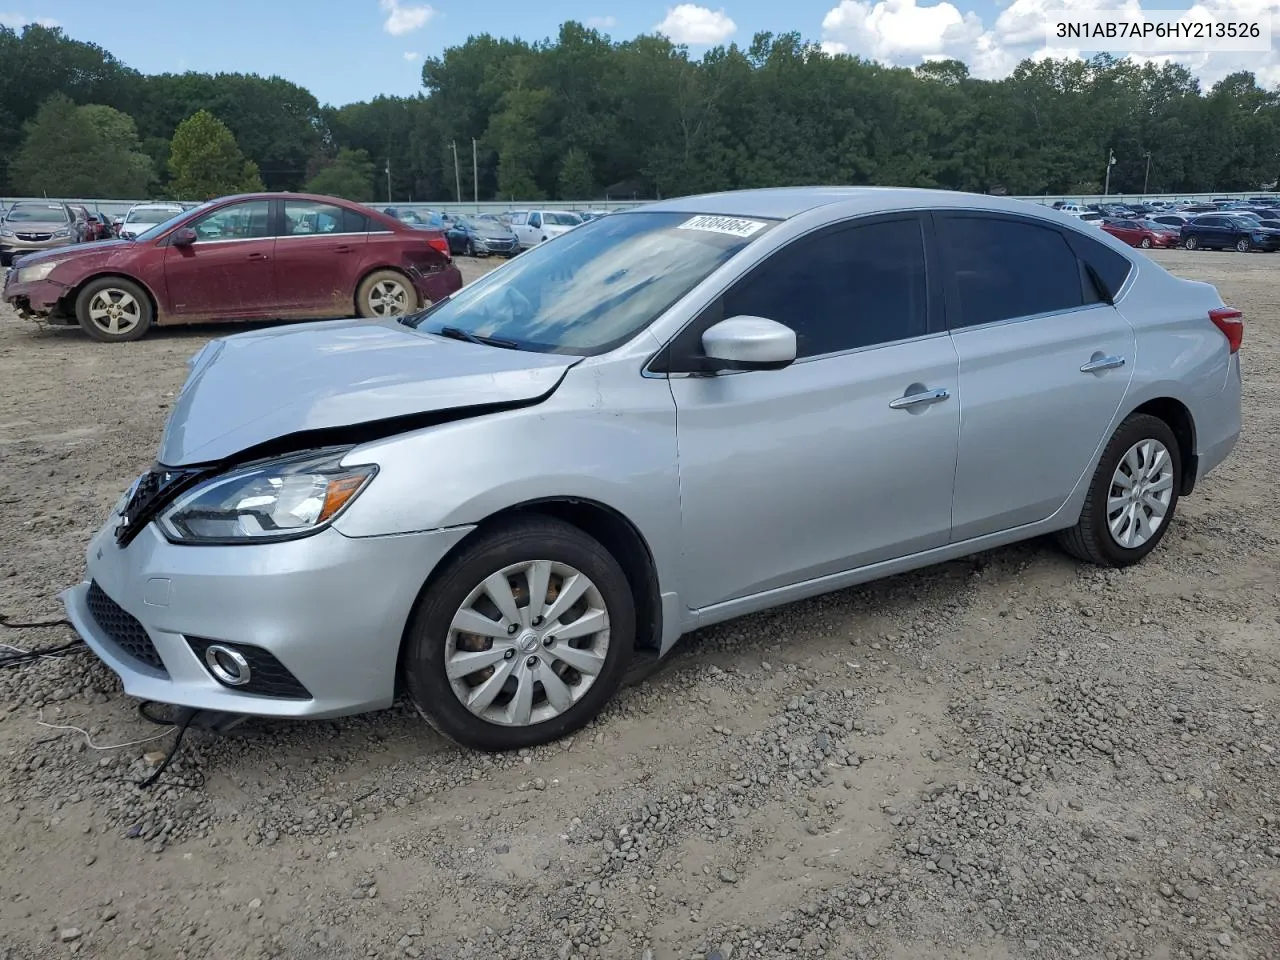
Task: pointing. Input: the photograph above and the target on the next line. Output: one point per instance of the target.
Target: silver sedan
(665, 418)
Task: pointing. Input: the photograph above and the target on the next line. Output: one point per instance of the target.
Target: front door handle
(915, 399)
(342, 249)
(258, 256)
(1102, 363)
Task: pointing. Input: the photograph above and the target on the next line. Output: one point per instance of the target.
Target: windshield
(561, 219)
(151, 215)
(37, 213)
(152, 232)
(594, 288)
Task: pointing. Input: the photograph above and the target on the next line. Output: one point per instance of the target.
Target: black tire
(366, 308)
(1191, 243)
(1090, 539)
(516, 541)
(1146, 243)
(116, 291)
(1243, 245)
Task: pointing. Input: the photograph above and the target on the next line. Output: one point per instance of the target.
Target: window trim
(952, 294)
(660, 363)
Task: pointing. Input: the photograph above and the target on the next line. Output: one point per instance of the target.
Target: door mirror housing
(183, 237)
(749, 343)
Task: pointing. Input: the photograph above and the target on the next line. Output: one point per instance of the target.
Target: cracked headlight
(280, 500)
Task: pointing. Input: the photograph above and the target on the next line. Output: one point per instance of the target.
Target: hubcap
(1140, 494)
(544, 666)
(114, 311)
(388, 298)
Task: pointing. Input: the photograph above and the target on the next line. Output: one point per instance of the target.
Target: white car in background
(143, 216)
(531, 227)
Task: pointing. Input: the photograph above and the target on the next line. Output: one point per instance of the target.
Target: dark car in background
(1218, 231)
(262, 256)
(1142, 233)
(481, 236)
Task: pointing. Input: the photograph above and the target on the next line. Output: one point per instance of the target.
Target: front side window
(563, 219)
(856, 287)
(1003, 269)
(596, 287)
(247, 220)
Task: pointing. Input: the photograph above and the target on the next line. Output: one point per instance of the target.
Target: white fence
(120, 207)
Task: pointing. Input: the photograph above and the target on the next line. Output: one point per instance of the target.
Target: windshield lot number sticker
(733, 226)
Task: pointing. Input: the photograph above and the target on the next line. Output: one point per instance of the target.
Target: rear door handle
(915, 399)
(1102, 363)
(258, 256)
(342, 249)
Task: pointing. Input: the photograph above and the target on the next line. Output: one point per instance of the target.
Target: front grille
(125, 631)
(35, 237)
(268, 677)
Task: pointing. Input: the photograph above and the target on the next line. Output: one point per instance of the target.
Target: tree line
(583, 116)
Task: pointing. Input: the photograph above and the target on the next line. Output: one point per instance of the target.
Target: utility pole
(1147, 178)
(388, 179)
(1111, 160)
(475, 174)
(457, 175)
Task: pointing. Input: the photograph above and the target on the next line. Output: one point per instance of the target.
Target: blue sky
(345, 50)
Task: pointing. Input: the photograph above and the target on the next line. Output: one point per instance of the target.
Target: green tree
(575, 182)
(350, 175)
(206, 162)
(89, 151)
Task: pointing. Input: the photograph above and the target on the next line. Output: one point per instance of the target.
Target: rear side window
(1004, 268)
(858, 287)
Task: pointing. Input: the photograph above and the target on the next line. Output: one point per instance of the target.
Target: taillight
(437, 241)
(1231, 323)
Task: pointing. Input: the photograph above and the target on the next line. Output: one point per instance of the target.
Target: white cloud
(405, 18)
(602, 23)
(16, 21)
(410, 55)
(908, 32)
(695, 25)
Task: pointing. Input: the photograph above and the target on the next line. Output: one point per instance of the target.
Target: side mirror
(183, 237)
(749, 343)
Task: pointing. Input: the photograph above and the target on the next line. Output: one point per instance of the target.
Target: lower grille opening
(123, 629)
(267, 676)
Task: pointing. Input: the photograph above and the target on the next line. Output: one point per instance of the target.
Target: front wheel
(1132, 497)
(1243, 244)
(1190, 243)
(114, 310)
(1146, 243)
(386, 293)
(522, 639)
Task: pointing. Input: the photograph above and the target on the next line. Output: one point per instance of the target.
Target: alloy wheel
(114, 311)
(1140, 494)
(388, 298)
(527, 643)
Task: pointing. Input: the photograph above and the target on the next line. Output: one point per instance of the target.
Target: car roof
(782, 203)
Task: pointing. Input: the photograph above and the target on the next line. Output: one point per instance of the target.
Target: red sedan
(266, 256)
(1142, 233)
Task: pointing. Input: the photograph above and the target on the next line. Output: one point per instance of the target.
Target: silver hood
(256, 387)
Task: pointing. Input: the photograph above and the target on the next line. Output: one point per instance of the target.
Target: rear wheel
(114, 310)
(386, 293)
(1132, 497)
(522, 639)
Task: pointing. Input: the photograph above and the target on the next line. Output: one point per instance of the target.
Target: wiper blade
(456, 333)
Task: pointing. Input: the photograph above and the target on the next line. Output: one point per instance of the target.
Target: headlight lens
(6, 232)
(279, 500)
(64, 232)
(37, 272)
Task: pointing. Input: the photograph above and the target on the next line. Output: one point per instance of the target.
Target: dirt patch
(1009, 756)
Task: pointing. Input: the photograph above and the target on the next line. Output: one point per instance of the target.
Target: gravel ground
(1005, 757)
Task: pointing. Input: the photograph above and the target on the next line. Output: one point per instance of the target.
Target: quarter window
(1004, 268)
(841, 290)
(247, 220)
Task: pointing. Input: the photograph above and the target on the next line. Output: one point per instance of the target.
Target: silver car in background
(32, 225)
(666, 418)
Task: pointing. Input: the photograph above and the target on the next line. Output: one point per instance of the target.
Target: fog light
(227, 665)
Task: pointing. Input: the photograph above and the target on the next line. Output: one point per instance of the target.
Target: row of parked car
(1217, 225)
(33, 225)
(503, 234)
